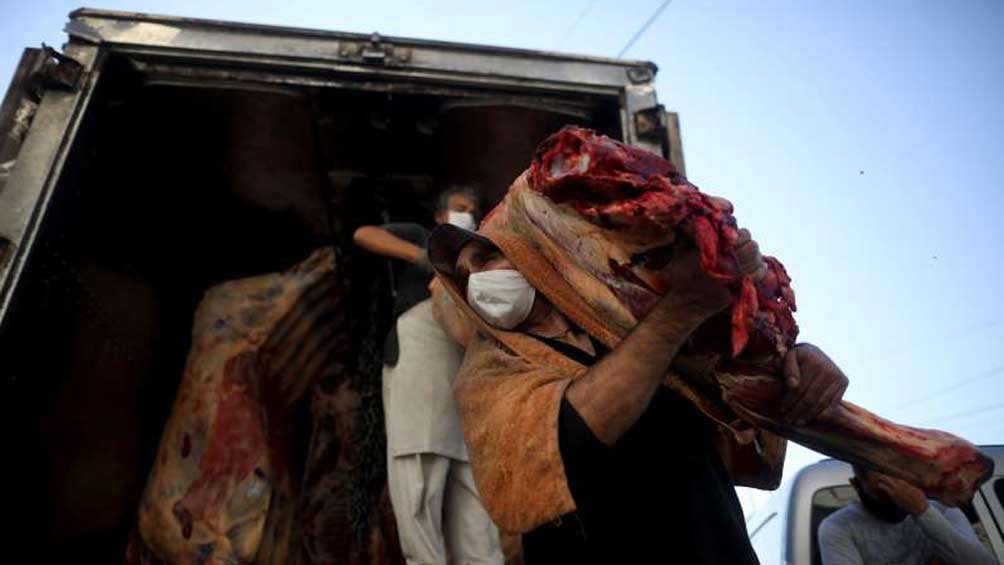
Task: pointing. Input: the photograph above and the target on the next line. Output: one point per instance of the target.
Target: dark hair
(443, 200)
(860, 470)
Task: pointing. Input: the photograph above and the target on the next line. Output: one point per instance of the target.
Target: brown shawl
(509, 392)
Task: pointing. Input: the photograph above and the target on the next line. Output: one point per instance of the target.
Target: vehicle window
(999, 491)
(826, 501)
(767, 538)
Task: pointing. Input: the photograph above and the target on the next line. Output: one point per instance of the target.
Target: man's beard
(882, 508)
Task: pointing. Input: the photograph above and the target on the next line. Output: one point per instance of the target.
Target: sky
(860, 142)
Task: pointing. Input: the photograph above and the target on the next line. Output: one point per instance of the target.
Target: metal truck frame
(50, 94)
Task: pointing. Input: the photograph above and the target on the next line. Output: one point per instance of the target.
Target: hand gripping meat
(609, 218)
(222, 489)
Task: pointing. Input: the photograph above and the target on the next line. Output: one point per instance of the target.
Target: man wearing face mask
(896, 523)
(581, 449)
(439, 514)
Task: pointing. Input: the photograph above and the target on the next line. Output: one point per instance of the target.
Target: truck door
(43, 106)
(991, 512)
(659, 131)
(674, 141)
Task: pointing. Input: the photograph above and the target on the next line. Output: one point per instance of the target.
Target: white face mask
(463, 220)
(502, 297)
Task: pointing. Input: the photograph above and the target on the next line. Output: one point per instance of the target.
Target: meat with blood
(608, 218)
(223, 487)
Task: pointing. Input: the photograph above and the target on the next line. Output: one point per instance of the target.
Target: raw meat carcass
(223, 488)
(330, 497)
(609, 218)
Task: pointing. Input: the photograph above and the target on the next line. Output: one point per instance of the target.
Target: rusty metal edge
(328, 34)
(21, 240)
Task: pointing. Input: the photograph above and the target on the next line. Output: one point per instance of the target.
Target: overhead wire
(968, 413)
(644, 27)
(978, 377)
(955, 386)
(578, 20)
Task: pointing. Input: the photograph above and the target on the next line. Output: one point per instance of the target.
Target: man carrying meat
(581, 449)
(896, 523)
(439, 515)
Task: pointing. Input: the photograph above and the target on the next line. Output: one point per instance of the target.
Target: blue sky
(860, 142)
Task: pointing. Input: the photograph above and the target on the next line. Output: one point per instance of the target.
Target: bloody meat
(609, 217)
(642, 200)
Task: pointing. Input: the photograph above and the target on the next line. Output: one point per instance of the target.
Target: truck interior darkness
(176, 183)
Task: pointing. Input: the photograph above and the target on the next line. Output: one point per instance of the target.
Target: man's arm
(954, 540)
(614, 393)
(836, 546)
(378, 240)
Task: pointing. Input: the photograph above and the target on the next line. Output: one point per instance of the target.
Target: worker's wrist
(421, 260)
(685, 311)
(919, 508)
(674, 325)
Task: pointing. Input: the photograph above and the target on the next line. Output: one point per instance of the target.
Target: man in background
(406, 243)
(439, 514)
(896, 523)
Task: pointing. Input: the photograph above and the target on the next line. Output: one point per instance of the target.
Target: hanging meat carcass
(608, 217)
(223, 486)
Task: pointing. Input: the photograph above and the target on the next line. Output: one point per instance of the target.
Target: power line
(582, 15)
(641, 31)
(952, 387)
(967, 413)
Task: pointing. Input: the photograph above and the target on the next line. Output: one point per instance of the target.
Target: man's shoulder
(841, 520)
(942, 508)
(485, 349)
(491, 358)
(953, 514)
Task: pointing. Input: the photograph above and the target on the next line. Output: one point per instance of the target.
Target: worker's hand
(908, 497)
(693, 294)
(815, 384)
(748, 253)
(435, 287)
(422, 261)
